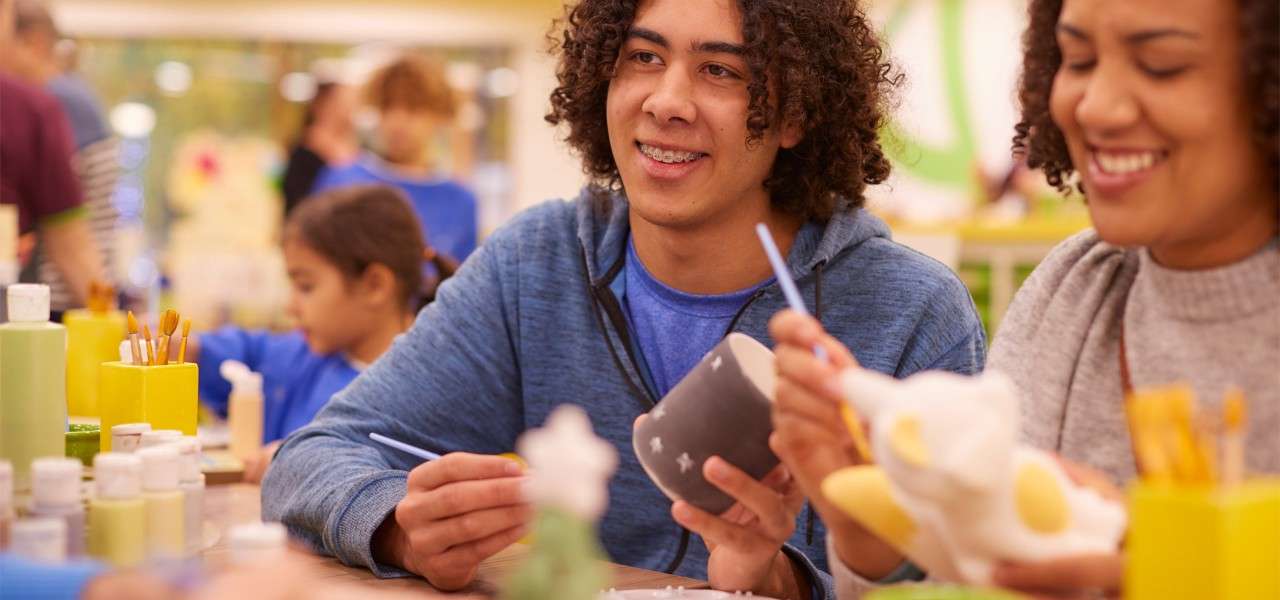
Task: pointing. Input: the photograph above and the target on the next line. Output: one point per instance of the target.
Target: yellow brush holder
(1203, 543)
(92, 339)
(166, 396)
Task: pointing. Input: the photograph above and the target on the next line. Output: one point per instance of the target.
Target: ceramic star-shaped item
(655, 445)
(686, 463)
(569, 466)
(659, 412)
(715, 364)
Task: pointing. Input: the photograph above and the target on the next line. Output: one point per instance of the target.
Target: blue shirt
(526, 326)
(673, 329)
(296, 383)
(446, 210)
(22, 579)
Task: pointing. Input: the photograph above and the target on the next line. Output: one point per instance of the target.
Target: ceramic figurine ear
(863, 493)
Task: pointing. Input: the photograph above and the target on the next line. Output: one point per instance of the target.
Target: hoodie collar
(604, 226)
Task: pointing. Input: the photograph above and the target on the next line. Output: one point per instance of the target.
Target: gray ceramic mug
(721, 408)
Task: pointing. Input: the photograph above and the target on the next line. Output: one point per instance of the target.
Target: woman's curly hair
(1041, 143)
(822, 59)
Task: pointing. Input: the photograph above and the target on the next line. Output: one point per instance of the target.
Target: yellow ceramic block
(92, 339)
(166, 396)
(1203, 543)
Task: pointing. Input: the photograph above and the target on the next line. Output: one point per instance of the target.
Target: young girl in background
(1167, 112)
(354, 257)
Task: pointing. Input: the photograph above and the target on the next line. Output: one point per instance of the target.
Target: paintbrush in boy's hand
(133, 339)
(182, 349)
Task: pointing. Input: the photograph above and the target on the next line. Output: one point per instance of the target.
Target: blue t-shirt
(673, 329)
(296, 383)
(82, 108)
(446, 210)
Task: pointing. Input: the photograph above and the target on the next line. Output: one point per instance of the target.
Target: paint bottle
(6, 503)
(40, 539)
(191, 482)
(127, 438)
(55, 494)
(117, 514)
(33, 382)
(162, 499)
(244, 409)
(257, 543)
(157, 437)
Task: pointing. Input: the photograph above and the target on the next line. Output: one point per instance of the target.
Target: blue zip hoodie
(530, 322)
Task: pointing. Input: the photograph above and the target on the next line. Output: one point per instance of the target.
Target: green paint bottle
(33, 382)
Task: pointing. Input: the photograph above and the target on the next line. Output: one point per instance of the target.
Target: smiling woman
(1171, 117)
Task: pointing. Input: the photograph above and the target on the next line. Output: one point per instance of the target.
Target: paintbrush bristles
(168, 324)
(182, 348)
(134, 349)
(151, 353)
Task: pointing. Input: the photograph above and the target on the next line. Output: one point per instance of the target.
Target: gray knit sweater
(1059, 343)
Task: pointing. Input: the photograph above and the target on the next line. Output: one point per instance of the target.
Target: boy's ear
(791, 135)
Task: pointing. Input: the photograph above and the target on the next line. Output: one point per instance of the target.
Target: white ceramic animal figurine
(952, 488)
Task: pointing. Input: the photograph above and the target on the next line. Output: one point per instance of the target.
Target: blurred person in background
(354, 257)
(413, 101)
(95, 161)
(328, 140)
(36, 152)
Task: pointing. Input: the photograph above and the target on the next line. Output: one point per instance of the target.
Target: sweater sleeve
(332, 487)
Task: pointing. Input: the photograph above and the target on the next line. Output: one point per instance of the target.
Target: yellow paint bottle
(117, 514)
(93, 338)
(162, 499)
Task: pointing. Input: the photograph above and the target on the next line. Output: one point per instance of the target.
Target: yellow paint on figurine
(1041, 503)
(864, 493)
(905, 440)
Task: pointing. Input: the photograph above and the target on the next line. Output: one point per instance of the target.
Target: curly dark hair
(1040, 142)
(822, 59)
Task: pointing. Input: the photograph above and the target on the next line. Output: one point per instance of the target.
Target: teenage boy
(697, 119)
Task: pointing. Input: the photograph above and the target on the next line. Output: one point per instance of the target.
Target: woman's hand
(811, 438)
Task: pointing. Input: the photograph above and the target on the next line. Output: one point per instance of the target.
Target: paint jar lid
(189, 452)
(128, 437)
(160, 468)
(6, 488)
(56, 481)
(243, 380)
(28, 303)
(118, 476)
(251, 543)
(42, 539)
(158, 437)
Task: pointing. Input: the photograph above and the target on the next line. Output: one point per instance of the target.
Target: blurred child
(354, 257)
(413, 100)
(328, 139)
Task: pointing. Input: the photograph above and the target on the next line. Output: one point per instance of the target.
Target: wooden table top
(227, 505)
